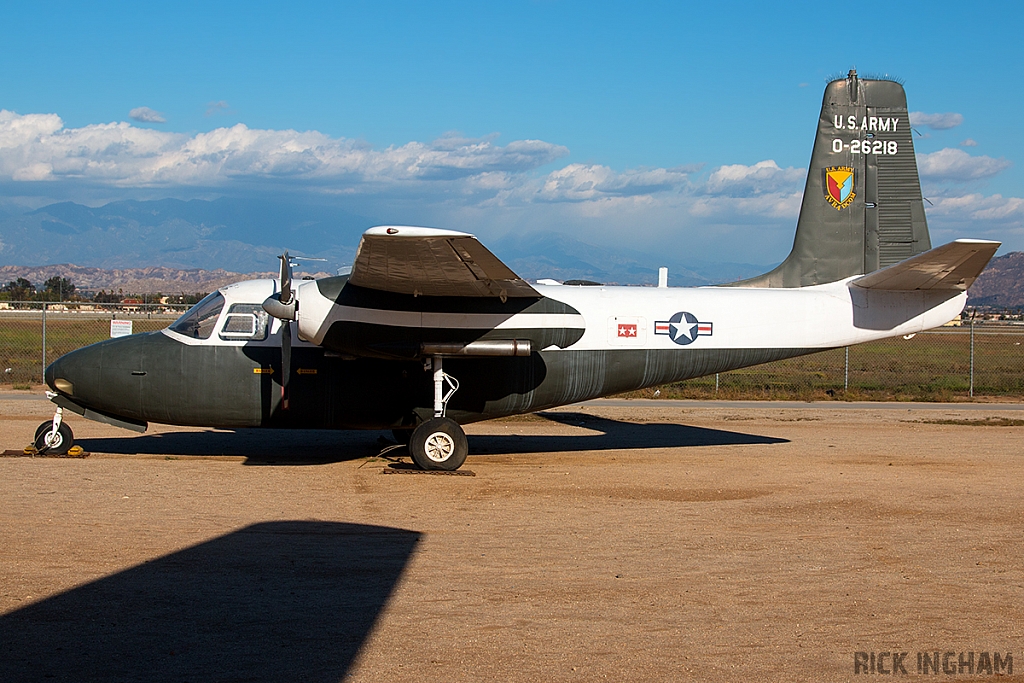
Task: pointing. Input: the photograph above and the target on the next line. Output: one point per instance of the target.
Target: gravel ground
(604, 542)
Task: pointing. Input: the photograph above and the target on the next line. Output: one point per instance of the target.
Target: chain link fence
(33, 334)
(949, 364)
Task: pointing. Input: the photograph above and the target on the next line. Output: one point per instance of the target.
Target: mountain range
(240, 236)
(1002, 283)
(246, 236)
(175, 246)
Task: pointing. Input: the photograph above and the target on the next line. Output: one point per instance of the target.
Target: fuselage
(357, 362)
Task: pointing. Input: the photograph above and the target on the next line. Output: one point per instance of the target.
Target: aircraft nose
(74, 373)
(105, 376)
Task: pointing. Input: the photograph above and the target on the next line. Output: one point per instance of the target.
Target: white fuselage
(612, 318)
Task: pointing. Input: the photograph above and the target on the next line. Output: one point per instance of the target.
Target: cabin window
(199, 321)
(245, 321)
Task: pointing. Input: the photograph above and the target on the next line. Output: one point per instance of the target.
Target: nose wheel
(54, 436)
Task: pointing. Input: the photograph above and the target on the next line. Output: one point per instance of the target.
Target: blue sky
(605, 120)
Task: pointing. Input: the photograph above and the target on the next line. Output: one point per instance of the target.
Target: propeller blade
(286, 278)
(286, 361)
(283, 305)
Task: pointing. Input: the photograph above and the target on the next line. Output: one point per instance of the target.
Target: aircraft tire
(439, 444)
(65, 438)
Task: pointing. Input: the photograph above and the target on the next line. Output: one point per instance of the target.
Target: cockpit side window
(245, 321)
(200, 320)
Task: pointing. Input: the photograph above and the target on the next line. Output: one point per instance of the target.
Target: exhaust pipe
(510, 347)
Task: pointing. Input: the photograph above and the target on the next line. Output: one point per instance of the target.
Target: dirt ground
(602, 542)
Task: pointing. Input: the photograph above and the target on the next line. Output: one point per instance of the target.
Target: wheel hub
(439, 446)
(53, 439)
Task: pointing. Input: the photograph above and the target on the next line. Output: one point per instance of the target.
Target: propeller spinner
(282, 305)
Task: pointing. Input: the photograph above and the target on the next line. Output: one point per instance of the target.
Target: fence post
(972, 357)
(44, 343)
(846, 372)
(716, 384)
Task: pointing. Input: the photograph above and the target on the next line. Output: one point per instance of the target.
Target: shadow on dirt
(257, 446)
(319, 447)
(612, 435)
(277, 601)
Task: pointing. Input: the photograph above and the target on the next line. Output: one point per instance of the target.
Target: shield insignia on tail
(837, 182)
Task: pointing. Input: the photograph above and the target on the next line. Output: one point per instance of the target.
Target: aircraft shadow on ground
(613, 435)
(258, 446)
(318, 447)
(276, 601)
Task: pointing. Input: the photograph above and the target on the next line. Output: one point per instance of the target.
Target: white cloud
(38, 147)
(582, 183)
(774, 205)
(732, 212)
(957, 165)
(451, 168)
(968, 143)
(936, 121)
(20, 130)
(737, 180)
(977, 207)
(146, 115)
(993, 217)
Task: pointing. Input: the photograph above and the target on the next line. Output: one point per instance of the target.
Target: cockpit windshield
(199, 321)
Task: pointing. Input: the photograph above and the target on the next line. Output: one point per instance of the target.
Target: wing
(953, 266)
(433, 262)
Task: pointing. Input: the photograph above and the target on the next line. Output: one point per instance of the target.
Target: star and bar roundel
(837, 182)
(683, 328)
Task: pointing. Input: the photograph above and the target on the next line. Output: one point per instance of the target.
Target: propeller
(284, 306)
(286, 361)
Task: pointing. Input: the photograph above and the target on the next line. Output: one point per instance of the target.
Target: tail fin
(862, 207)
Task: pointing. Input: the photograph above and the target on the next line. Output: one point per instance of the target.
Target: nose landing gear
(54, 436)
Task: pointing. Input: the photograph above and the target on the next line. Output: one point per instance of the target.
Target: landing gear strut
(440, 443)
(54, 436)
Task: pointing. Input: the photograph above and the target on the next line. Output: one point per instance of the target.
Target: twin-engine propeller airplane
(431, 331)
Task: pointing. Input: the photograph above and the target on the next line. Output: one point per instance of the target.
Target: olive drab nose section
(107, 376)
(152, 378)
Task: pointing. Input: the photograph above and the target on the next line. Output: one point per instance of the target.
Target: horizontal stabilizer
(953, 266)
(433, 262)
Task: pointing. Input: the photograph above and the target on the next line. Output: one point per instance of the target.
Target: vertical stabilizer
(862, 208)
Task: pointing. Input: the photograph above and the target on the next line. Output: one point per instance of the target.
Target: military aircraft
(431, 331)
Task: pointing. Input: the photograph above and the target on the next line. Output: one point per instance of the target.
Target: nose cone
(101, 376)
(74, 371)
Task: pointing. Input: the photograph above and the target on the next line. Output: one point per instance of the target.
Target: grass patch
(21, 340)
(983, 422)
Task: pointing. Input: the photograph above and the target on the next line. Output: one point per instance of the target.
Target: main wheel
(439, 444)
(55, 443)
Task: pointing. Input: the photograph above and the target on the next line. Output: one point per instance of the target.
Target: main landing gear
(54, 436)
(440, 443)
